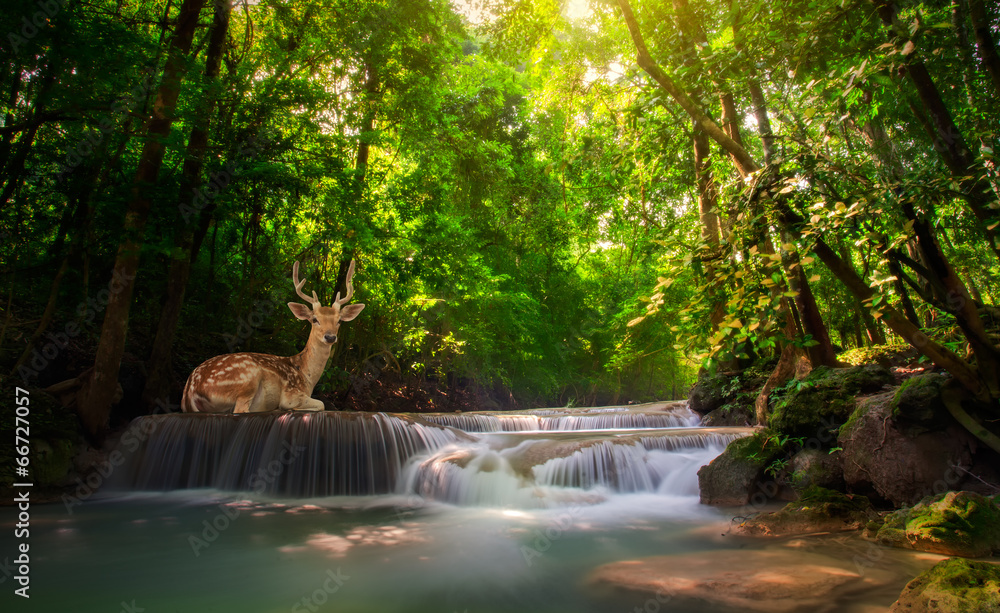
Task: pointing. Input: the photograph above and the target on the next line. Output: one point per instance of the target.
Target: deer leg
(243, 404)
(308, 404)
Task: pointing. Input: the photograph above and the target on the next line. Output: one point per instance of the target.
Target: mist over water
(388, 513)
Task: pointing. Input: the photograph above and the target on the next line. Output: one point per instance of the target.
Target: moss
(761, 448)
(825, 399)
(952, 523)
(959, 523)
(898, 353)
(955, 585)
(817, 510)
(917, 403)
(51, 460)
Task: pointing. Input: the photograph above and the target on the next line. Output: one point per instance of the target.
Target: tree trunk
(984, 42)
(97, 394)
(159, 366)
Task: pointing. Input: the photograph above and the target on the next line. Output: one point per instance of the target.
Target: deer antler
(314, 300)
(350, 287)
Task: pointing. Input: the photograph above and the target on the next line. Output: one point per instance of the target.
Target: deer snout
(330, 337)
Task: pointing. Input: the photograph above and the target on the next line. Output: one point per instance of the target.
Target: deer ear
(301, 311)
(351, 311)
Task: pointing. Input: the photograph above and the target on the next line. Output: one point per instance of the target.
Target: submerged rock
(818, 510)
(954, 523)
(953, 586)
(766, 581)
(825, 399)
(738, 474)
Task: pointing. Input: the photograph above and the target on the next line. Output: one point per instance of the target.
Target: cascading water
(286, 454)
(532, 470)
(537, 459)
(484, 512)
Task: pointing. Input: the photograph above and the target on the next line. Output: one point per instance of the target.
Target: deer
(259, 382)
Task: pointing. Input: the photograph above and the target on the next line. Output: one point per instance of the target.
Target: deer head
(325, 320)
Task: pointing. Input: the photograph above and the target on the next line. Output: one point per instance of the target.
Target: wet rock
(826, 399)
(766, 581)
(953, 586)
(738, 474)
(818, 510)
(885, 460)
(954, 523)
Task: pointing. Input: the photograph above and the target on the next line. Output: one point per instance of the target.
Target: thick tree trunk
(159, 366)
(96, 396)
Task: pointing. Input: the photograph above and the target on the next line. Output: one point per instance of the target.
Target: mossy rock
(893, 354)
(710, 392)
(816, 467)
(825, 399)
(817, 510)
(52, 460)
(953, 523)
(955, 585)
(917, 404)
(737, 475)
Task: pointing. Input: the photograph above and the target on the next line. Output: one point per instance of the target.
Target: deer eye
(315, 321)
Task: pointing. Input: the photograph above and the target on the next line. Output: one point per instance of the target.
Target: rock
(710, 392)
(818, 510)
(953, 586)
(954, 523)
(918, 405)
(730, 415)
(766, 581)
(884, 460)
(815, 467)
(825, 399)
(738, 476)
(52, 460)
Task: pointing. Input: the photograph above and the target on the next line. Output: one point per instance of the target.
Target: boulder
(811, 467)
(738, 475)
(954, 523)
(955, 585)
(818, 510)
(887, 461)
(917, 404)
(826, 399)
(710, 392)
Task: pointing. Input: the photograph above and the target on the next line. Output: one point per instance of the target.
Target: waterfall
(604, 418)
(289, 454)
(529, 460)
(512, 470)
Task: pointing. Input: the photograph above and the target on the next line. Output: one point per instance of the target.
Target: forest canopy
(548, 203)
